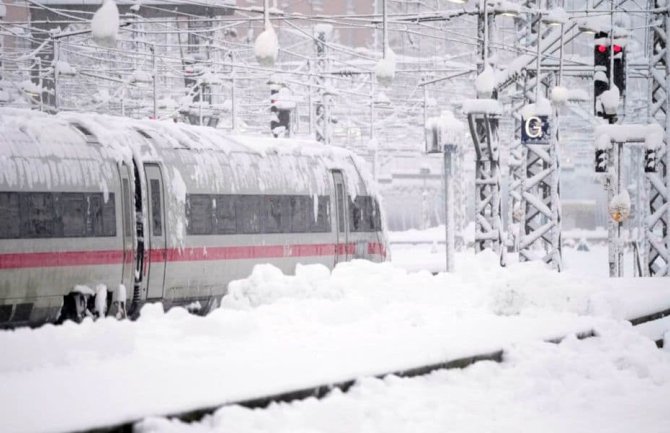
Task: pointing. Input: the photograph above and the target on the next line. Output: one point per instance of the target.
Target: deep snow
(276, 333)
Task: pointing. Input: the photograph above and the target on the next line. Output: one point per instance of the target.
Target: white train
(91, 205)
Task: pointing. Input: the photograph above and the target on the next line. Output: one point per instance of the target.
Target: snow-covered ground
(276, 333)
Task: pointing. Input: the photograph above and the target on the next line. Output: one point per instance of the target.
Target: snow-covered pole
(538, 63)
(3, 11)
(56, 48)
(233, 104)
(611, 77)
(425, 101)
(201, 94)
(560, 57)
(449, 204)
(322, 118)
(486, 32)
(385, 41)
(310, 101)
(372, 106)
(154, 80)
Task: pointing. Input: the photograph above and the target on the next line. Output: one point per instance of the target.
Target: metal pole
(538, 70)
(449, 231)
(154, 79)
(486, 35)
(56, 47)
(200, 104)
(425, 103)
(372, 106)
(619, 225)
(560, 58)
(38, 59)
(233, 110)
(384, 30)
(310, 102)
(611, 77)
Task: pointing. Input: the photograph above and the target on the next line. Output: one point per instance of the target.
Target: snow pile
(284, 99)
(617, 383)
(64, 68)
(541, 108)
(105, 24)
(266, 47)
(268, 285)
(278, 332)
(578, 95)
(450, 130)
(385, 68)
(649, 134)
(556, 16)
(140, 76)
(507, 8)
(559, 94)
(485, 82)
(482, 106)
(610, 100)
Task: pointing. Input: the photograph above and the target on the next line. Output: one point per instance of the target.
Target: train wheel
(75, 308)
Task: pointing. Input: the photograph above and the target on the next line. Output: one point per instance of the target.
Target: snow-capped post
(445, 134)
(322, 115)
(154, 81)
(385, 68)
(266, 47)
(3, 12)
(56, 55)
(105, 24)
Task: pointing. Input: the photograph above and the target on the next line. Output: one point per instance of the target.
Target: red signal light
(617, 48)
(602, 48)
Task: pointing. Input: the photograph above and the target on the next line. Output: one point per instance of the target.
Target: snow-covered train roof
(69, 136)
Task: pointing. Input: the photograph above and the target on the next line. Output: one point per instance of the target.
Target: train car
(99, 215)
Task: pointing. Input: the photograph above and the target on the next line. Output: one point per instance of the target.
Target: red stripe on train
(112, 257)
(68, 258)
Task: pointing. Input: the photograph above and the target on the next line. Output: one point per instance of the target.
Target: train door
(341, 221)
(156, 231)
(128, 226)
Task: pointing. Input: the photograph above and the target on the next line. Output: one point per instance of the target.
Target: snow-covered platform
(276, 333)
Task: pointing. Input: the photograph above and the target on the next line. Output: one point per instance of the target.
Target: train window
(199, 214)
(9, 215)
(322, 222)
(73, 210)
(300, 207)
(157, 221)
(364, 214)
(356, 214)
(38, 217)
(108, 216)
(275, 214)
(248, 213)
(126, 207)
(225, 214)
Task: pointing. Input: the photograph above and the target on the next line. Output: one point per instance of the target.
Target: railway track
(322, 390)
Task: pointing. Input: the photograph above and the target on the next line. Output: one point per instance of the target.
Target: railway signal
(609, 61)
